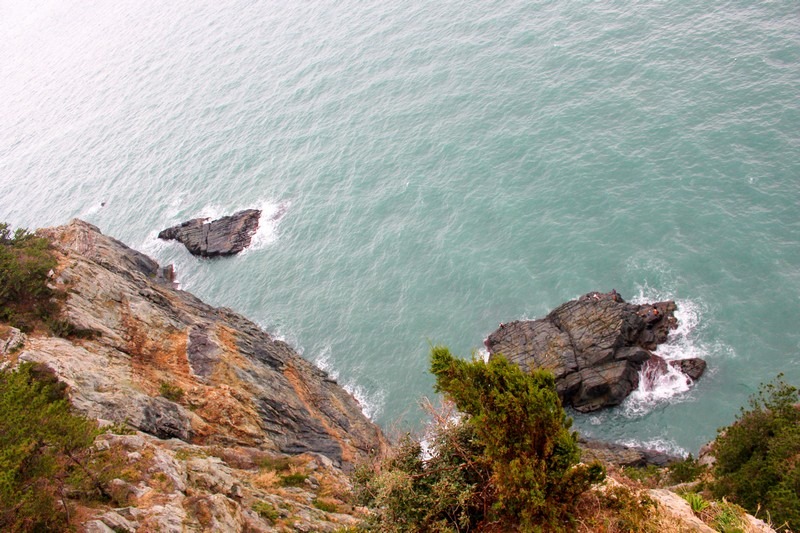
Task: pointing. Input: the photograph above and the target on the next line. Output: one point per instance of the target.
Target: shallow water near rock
(435, 170)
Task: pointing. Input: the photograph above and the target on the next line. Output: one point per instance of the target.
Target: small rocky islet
(598, 347)
(224, 236)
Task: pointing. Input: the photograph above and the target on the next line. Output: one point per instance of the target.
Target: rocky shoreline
(218, 426)
(239, 386)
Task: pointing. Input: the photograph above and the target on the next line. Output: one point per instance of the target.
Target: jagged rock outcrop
(621, 455)
(173, 486)
(225, 236)
(174, 367)
(595, 346)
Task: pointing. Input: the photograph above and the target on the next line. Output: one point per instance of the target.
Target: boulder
(225, 236)
(595, 346)
(693, 367)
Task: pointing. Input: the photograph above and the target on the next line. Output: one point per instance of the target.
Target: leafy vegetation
(266, 510)
(758, 457)
(25, 261)
(510, 461)
(293, 480)
(685, 471)
(43, 447)
(170, 392)
(695, 501)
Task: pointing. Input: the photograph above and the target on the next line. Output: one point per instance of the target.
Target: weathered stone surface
(693, 367)
(679, 508)
(621, 455)
(595, 346)
(240, 387)
(225, 236)
(185, 487)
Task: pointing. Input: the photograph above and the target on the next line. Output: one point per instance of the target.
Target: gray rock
(693, 367)
(225, 236)
(118, 523)
(241, 387)
(96, 526)
(11, 340)
(621, 455)
(595, 346)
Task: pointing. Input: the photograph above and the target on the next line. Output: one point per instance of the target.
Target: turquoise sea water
(443, 166)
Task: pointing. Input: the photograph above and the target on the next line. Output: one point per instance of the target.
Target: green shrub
(171, 392)
(649, 475)
(695, 501)
(42, 444)
(25, 261)
(758, 457)
(510, 460)
(293, 480)
(684, 471)
(266, 510)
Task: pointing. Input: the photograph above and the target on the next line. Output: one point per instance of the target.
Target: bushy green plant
(758, 457)
(170, 392)
(266, 510)
(41, 442)
(519, 419)
(687, 470)
(25, 261)
(293, 480)
(695, 501)
(510, 460)
(446, 489)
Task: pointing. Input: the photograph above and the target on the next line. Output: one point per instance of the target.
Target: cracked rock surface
(595, 346)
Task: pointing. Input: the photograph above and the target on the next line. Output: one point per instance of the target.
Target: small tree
(758, 457)
(519, 419)
(25, 261)
(509, 463)
(40, 440)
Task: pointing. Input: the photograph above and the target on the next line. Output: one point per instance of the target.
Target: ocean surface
(441, 167)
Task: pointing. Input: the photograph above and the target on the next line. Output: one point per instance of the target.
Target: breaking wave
(671, 385)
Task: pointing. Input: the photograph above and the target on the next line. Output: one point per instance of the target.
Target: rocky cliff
(166, 363)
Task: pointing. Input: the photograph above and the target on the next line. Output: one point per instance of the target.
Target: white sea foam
(659, 444)
(271, 215)
(483, 353)
(371, 402)
(323, 361)
(671, 386)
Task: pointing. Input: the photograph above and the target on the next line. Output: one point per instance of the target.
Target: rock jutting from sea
(595, 346)
(228, 235)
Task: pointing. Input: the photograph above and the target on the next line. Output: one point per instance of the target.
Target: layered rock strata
(172, 366)
(595, 346)
(225, 236)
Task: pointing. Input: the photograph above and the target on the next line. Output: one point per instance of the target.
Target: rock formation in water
(595, 345)
(225, 236)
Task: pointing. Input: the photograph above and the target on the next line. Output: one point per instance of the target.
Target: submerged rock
(225, 236)
(595, 346)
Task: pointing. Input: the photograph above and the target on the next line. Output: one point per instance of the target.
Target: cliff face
(230, 383)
